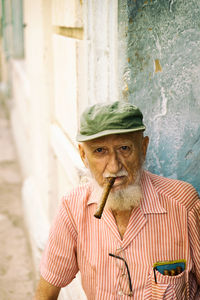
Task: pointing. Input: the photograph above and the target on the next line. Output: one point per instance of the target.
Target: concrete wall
(44, 97)
(70, 60)
(32, 97)
(160, 72)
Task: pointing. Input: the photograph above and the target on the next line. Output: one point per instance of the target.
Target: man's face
(119, 155)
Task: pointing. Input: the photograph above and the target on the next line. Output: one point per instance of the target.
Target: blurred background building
(58, 56)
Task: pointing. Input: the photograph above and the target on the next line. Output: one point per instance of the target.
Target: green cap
(103, 119)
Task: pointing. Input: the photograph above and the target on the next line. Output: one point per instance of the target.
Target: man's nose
(114, 164)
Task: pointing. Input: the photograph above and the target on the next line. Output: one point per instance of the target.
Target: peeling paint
(171, 2)
(158, 46)
(162, 72)
(189, 154)
(163, 111)
(158, 67)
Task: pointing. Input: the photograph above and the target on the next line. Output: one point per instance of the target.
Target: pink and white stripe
(166, 227)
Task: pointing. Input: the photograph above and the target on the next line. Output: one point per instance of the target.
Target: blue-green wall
(160, 72)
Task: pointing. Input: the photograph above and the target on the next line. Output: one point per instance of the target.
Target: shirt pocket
(166, 288)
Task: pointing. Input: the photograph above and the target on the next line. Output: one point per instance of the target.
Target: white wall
(70, 62)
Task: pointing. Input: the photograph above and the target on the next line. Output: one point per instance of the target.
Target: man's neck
(122, 220)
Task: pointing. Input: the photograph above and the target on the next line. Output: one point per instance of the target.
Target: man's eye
(125, 148)
(99, 150)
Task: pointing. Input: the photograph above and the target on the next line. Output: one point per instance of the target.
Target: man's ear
(82, 154)
(145, 144)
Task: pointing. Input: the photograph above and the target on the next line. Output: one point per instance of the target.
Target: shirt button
(120, 293)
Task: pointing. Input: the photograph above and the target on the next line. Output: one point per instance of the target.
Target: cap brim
(84, 138)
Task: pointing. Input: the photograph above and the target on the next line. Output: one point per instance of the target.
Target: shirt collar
(94, 196)
(150, 203)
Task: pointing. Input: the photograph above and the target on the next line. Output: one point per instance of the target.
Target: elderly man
(147, 243)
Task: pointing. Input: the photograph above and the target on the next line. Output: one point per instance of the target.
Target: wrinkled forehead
(134, 137)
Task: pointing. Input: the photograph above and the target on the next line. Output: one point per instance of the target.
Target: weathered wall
(160, 72)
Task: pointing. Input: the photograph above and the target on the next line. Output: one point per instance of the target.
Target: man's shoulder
(74, 203)
(79, 194)
(181, 191)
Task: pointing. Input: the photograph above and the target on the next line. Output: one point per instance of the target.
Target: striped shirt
(166, 227)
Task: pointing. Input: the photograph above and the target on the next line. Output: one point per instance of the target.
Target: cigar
(166, 272)
(106, 190)
(179, 270)
(173, 272)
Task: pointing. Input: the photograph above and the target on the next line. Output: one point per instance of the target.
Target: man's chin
(125, 198)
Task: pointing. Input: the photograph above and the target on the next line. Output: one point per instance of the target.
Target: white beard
(125, 199)
(121, 200)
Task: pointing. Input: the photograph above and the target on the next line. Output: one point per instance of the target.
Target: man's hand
(46, 291)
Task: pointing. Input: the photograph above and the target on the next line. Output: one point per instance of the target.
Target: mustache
(118, 174)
